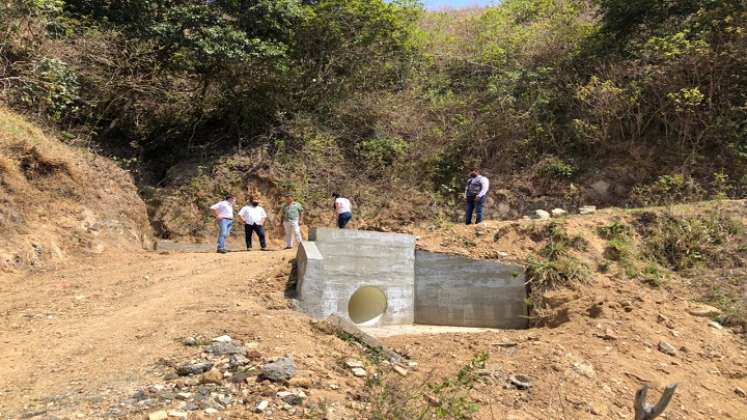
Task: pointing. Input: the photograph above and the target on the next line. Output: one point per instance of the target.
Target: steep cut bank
(57, 201)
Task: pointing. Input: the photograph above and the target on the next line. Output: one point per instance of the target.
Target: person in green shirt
(292, 213)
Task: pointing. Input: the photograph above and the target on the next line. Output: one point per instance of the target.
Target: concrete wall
(337, 262)
(454, 290)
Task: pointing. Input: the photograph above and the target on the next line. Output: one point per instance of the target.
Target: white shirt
(253, 215)
(342, 205)
(224, 209)
(485, 185)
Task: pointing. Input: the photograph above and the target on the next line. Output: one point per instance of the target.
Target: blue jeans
(343, 219)
(224, 229)
(474, 204)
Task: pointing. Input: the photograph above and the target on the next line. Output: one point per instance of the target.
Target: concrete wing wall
(454, 290)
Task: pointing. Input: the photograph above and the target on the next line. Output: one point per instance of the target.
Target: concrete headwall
(335, 263)
(454, 290)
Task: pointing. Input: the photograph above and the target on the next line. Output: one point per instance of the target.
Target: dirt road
(101, 326)
(77, 341)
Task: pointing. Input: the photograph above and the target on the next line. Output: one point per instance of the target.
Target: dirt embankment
(57, 201)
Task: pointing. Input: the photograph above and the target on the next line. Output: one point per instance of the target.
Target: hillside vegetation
(606, 102)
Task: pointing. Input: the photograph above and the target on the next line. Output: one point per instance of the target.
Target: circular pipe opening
(367, 305)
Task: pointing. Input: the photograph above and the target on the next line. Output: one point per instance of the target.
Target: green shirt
(292, 211)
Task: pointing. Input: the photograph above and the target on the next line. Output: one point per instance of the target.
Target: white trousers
(292, 230)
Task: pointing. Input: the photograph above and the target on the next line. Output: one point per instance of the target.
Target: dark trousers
(475, 205)
(343, 219)
(249, 229)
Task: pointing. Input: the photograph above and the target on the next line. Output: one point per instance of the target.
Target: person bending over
(343, 210)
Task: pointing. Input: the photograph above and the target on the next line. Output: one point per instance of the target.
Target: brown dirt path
(104, 322)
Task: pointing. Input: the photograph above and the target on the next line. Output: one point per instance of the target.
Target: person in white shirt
(343, 210)
(475, 194)
(223, 212)
(254, 216)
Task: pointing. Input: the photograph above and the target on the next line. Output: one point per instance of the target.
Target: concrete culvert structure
(376, 279)
(367, 305)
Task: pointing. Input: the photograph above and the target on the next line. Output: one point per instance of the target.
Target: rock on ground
(667, 348)
(542, 214)
(193, 368)
(222, 348)
(280, 370)
(158, 415)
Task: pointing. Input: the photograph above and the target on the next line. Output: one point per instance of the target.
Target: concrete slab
(415, 329)
(457, 291)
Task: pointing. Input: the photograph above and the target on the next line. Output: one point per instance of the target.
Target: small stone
(541, 214)
(237, 360)
(211, 411)
(223, 339)
(584, 369)
(587, 209)
(520, 381)
(193, 368)
(558, 212)
(353, 363)
(262, 406)
(399, 369)
(716, 325)
(213, 376)
(667, 348)
(184, 396)
(300, 382)
(240, 377)
(359, 372)
(158, 415)
(222, 349)
(291, 398)
(739, 391)
(190, 341)
(254, 355)
(178, 414)
(705, 311)
(280, 370)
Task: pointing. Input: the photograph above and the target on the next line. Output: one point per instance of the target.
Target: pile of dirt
(57, 200)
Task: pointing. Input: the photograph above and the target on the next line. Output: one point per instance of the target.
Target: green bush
(682, 243)
(668, 190)
(544, 274)
(380, 153)
(614, 230)
(554, 168)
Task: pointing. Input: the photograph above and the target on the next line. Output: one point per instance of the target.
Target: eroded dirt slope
(57, 201)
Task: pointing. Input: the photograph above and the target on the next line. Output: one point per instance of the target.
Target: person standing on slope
(343, 210)
(475, 193)
(223, 212)
(254, 216)
(292, 213)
